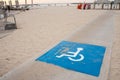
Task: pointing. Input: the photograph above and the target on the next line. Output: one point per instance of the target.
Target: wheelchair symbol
(72, 55)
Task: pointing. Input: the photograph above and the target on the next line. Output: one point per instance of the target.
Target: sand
(41, 28)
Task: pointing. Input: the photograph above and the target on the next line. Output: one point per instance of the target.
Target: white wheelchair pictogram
(72, 55)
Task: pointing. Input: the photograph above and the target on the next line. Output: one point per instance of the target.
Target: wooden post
(102, 5)
(119, 6)
(111, 5)
(94, 5)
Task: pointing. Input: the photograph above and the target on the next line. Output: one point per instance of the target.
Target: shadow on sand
(5, 33)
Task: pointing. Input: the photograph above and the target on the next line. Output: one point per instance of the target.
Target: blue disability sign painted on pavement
(84, 58)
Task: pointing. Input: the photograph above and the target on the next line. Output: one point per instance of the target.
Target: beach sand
(41, 28)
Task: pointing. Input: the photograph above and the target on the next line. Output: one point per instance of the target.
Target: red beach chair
(79, 6)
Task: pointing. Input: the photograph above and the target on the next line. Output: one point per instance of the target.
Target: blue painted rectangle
(84, 58)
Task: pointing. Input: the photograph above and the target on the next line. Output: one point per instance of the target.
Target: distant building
(117, 1)
(102, 1)
(107, 1)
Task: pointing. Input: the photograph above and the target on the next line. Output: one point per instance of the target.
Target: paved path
(99, 32)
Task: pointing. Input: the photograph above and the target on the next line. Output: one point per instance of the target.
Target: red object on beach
(79, 6)
(84, 6)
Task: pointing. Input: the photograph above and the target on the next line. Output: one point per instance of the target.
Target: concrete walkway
(98, 32)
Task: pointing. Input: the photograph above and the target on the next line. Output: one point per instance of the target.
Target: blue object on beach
(84, 58)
